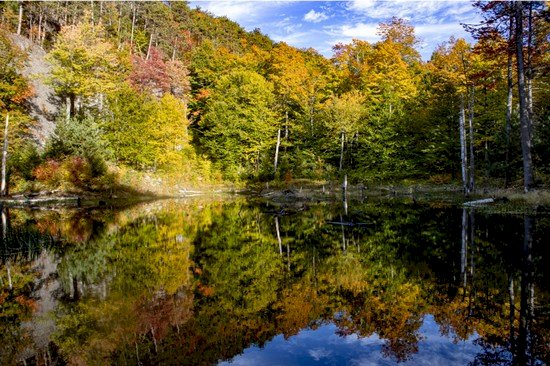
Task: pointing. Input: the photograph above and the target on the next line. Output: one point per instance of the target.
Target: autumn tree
(387, 74)
(84, 65)
(155, 76)
(18, 154)
(14, 88)
(388, 80)
(350, 61)
(287, 71)
(401, 33)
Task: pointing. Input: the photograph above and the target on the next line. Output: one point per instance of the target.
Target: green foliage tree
(145, 132)
(239, 125)
(345, 116)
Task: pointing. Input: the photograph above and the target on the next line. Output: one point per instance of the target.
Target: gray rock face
(42, 105)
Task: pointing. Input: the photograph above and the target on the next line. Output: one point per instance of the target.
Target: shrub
(49, 173)
(77, 171)
(81, 138)
(24, 160)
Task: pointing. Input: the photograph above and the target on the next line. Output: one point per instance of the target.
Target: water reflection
(196, 282)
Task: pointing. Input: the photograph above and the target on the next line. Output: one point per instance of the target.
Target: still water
(241, 282)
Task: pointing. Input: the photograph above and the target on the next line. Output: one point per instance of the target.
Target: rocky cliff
(43, 106)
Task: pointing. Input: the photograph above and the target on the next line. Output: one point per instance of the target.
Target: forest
(159, 91)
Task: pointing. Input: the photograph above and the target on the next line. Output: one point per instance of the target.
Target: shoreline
(538, 200)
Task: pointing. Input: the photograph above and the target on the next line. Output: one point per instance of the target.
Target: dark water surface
(238, 282)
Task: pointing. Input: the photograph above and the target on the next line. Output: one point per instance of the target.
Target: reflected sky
(324, 346)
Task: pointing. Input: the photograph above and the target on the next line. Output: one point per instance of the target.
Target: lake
(237, 281)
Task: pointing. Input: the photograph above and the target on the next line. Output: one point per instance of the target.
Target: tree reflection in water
(197, 282)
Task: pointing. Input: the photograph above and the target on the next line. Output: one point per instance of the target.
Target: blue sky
(322, 24)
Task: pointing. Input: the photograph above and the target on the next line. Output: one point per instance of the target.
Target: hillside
(156, 91)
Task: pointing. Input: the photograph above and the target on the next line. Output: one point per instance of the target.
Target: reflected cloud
(319, 353)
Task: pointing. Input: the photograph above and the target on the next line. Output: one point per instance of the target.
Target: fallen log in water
(347, 223)
(22, 201)
(479, 202)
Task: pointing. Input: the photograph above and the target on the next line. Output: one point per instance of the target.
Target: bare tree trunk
(464, 249)
(39, 37)
(529, 71)
(92, 8)
(119, 27)
(100, 98)
(471, 128)
(174, 47)
(472, 245)
(68, 107)
(4, 186)
(286, 125)
(149, 47)
(8, 270)
(525, 121)
(343, 234)
(20, 21)
(278, 235)
(524, 342)
(345, 193)
(31, 21)
(66, 18)
(277, 150)
(154, 339)
(77, 105)
(463, 155)
(512, 317)
(137, 354)
(133, 27)
(288, 255)
(342, 151)
(509, 103)
(4, 237)
(43, 32)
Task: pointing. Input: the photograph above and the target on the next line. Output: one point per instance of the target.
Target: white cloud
(296, 39)
(410, 9)
(441, 30)
(288, 24)
(346, 32)
(244, 12)
(315, 17)
(433, 35)
(232, 9)
(459, 9)
(364, 31)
